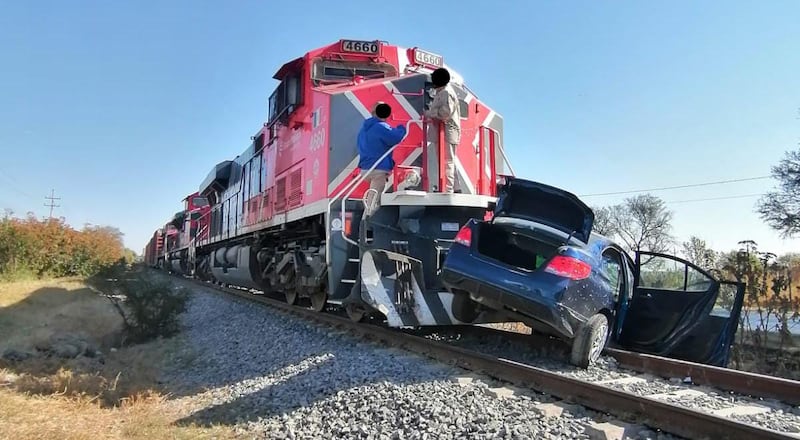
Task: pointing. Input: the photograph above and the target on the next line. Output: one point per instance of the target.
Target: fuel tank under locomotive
(291, 267)
(178, 262)
(235, 265)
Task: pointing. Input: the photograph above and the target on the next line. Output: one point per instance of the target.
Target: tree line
(644, 223)
(30, 247)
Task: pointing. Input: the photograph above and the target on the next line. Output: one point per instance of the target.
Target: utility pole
(52, 202)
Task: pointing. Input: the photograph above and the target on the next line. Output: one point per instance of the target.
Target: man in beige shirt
(444, 112)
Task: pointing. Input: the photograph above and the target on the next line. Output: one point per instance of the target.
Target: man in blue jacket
(375, 138)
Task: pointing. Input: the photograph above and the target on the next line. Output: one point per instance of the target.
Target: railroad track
(663, 411)
(741, 382)
(751, 398)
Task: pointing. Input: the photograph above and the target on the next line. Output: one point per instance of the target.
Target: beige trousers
(449, 167)
(433, 161)
(377, 181)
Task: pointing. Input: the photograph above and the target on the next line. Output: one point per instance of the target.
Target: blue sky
(123, 107)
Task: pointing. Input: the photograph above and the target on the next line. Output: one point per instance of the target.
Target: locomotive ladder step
(354, 263)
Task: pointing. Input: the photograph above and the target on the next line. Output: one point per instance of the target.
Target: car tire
(590, 341)
(464, 309)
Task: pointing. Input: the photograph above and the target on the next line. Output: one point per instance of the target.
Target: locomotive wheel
(355, 312)
(291, 296)
(318, 300)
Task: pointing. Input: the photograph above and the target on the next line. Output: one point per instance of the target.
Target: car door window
(629, 280)
(611, 266)
(696, 281)
(725, 301)
(657, 272)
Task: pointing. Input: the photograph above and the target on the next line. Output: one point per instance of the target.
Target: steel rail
(742, 382)
(627, 406)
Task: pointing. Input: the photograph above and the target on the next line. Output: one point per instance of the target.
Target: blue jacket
(374, 139)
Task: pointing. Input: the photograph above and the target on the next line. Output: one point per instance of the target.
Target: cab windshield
(329, 71)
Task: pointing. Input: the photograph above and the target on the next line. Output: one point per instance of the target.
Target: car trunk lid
(544, 204)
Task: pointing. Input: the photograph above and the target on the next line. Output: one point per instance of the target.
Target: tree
(791, 260)
(781, 208)
(129, 256)
(697, 252)
(50, 247)
(603, 223)
(642, 223)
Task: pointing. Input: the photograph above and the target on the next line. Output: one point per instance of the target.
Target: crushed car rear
(531, 276)
(530, 260)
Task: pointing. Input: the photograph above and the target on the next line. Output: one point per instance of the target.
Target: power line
(716, 198)
(52, 199)
(13, 186)
(693, 185)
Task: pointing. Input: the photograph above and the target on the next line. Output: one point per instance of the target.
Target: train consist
(286, 215)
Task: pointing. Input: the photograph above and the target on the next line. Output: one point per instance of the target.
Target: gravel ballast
(779, 417)
(274, 375)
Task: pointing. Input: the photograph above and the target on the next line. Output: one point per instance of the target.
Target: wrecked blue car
(537, 261)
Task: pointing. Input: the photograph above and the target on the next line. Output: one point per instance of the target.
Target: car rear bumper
(465, 273)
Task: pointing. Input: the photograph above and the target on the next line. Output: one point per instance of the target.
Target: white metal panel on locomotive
(276, 221)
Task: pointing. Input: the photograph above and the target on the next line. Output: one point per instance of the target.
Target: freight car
(286, 215)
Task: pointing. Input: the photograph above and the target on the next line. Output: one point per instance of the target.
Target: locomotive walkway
(635, 400)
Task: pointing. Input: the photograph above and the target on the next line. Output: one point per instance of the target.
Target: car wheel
(464, 309)
(590, 341)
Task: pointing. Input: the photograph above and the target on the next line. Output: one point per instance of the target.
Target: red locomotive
(286, 215)
(180, 235)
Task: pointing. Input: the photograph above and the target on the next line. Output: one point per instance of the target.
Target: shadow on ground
(289, 378)
(64, 338)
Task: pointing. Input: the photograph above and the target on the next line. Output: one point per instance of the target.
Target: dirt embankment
(64, 372)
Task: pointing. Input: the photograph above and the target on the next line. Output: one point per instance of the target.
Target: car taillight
(568, 267)
(464, 236)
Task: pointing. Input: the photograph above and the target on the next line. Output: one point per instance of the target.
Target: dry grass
(32, 311)
(38, 417)
(125, 373)
(117, 396)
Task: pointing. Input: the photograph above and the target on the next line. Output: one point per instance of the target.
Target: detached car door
(680, 311)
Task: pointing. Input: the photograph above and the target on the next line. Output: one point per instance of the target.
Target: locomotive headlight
(411, 179)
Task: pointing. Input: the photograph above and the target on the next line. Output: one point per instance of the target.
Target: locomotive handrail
(351, 186)
(197, 238)
(503, 152)
(395, 91)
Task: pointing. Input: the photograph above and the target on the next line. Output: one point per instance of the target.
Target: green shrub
(149, 307)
